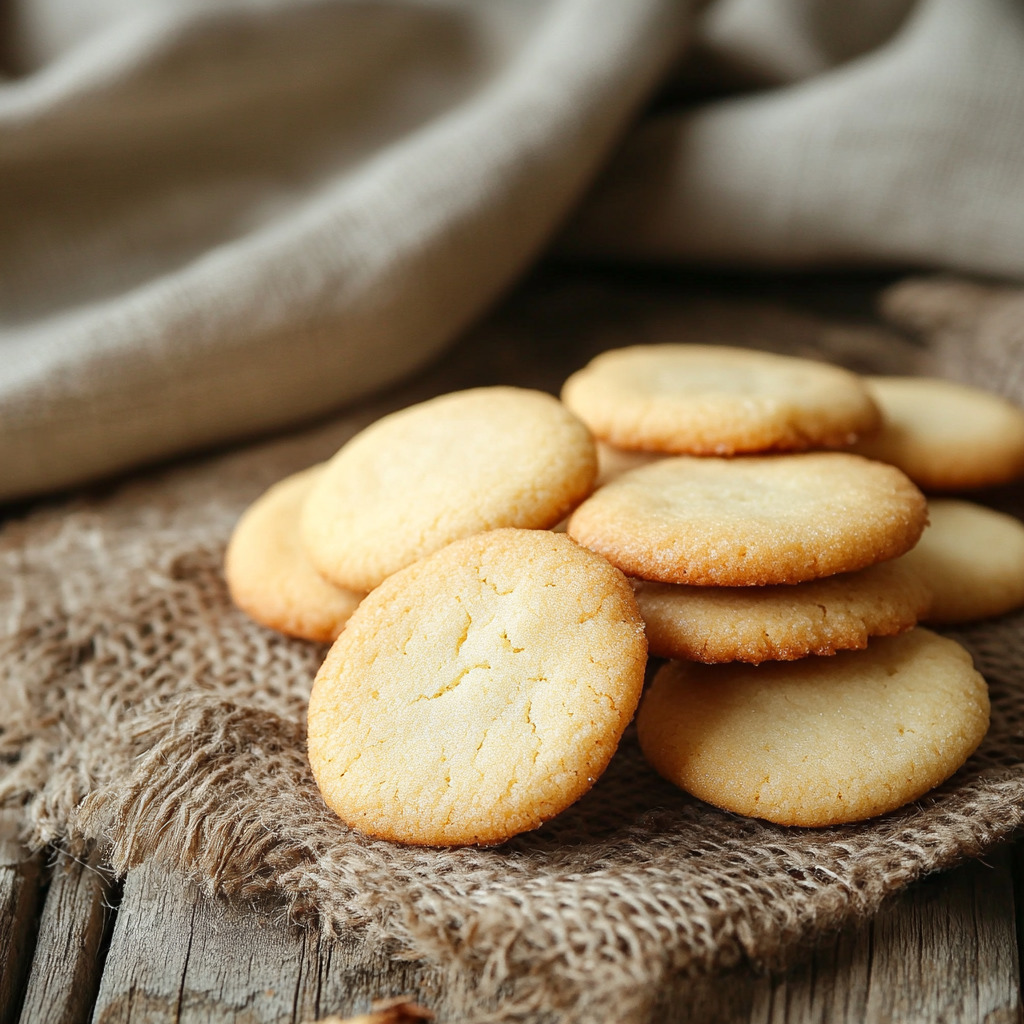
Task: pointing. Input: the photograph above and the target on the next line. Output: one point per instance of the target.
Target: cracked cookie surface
(718, 400)
(447, 468)
(781, 623)
(819, 741)
(478, 692)
(751, 521)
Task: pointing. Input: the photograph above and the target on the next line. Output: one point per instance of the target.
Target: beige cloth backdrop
(221, 218)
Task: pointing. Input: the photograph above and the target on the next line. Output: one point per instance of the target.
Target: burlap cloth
(144, 713)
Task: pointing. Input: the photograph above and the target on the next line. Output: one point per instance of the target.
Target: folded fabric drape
(906, 154)
(224, 219)
(220, 219)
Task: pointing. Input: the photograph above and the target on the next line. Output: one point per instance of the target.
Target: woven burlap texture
(144, 713)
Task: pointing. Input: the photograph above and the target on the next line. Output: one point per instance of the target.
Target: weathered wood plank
(20, 883)
(1017, 858)
(177, 955)
(831, 986)
(721, 998)
(946, 950)
(353, 974)
(828, 986)
(68, 959)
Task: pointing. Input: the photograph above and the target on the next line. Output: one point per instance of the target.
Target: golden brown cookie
(781, 623)
(946, 436)
(972, 559)
(715, 400)
(423, 477)
(819, 741)
(741, 522)
(478, 692)
(269, 575)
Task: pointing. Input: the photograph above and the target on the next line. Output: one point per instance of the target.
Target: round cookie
(269, 575)
(946, 436)
(972, 560)
(478, 692)
(781, 623)
(430, 474)
(751, 521)
(819, 741)
(715, 400)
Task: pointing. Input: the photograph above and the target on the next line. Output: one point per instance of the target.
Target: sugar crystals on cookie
(751, 521)
(716, 400)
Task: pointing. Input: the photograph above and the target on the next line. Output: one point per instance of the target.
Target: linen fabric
(219, 219)
(879, 137)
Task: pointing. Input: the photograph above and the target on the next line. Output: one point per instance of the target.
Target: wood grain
(950, 951)
(20, 881)
(178, 955)
(945, 950)
(68, 960)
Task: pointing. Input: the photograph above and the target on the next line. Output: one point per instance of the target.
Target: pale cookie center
(666, 381)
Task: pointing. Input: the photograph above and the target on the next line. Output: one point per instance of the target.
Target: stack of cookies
(484, 680)
(720, 540)
(750, 553)
(486, 665)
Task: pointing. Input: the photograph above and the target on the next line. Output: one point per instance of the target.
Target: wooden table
(76, 945)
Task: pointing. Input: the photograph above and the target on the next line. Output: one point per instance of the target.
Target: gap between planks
(70, 948)
(20, 881)
(177, 955)
(53, 922)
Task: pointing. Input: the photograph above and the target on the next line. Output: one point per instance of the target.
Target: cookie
(430, 474)
(946, 436)
(972, 559)
(781, 623)
(478, 692)
(715, 400)
(269, 575)
(751, 521)
(819, 741)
